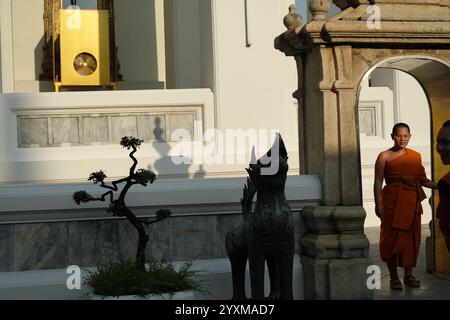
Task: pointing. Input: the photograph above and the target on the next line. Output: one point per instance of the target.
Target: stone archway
(332, 57)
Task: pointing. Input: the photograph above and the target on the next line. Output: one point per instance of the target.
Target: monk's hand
(379, 211)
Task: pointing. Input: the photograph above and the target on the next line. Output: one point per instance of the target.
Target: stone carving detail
(267, 234)
(293, 20)
(290, 40)
(319, 9)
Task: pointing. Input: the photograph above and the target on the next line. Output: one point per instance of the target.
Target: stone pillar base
(335, 253)
(336, 279)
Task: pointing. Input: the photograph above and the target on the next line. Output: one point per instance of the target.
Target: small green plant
(120, 276)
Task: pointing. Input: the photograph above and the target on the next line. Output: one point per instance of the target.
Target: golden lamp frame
(51, 64)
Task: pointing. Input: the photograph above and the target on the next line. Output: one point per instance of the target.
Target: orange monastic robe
(443, 210)
(401, 197)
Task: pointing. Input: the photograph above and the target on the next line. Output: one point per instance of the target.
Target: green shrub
(120, 276)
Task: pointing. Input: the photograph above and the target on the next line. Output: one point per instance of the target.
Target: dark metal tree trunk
(142, 240)
(142, 245)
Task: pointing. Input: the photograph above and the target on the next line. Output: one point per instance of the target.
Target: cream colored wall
(210, 52)
(190, 40)
(414, 110)
(206, 44)
(6, 47)
(160, 40)
(140, 38)
(188, 65)
(254, 85)
(1, 69)
(28, 32)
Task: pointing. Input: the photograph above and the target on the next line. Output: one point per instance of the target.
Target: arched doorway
(433, 75)
(387, 96)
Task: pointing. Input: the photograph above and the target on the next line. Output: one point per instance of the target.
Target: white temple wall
(139, 29)
(6, 46)
(254, 84)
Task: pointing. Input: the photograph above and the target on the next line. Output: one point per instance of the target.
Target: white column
(187, 44)
(1, 88)
(216, 59)
(6, 47)
(160, 40)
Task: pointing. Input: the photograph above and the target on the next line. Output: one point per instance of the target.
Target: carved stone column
(335, 253)
(331, 125)
(319, 9)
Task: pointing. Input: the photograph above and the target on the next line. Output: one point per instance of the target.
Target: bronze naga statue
(267, 233)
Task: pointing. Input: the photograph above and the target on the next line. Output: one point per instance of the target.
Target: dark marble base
(56, 245)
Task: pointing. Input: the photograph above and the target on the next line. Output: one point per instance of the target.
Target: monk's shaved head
(398, 126)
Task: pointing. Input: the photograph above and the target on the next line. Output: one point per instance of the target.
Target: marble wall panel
(91, 242)
(181, 121)
(65, 130)
(193, 237)
(159, 244)
(95, 129)
(33, 131)
(152, 128)
(6, 248)
(41, 246)
(122, 126)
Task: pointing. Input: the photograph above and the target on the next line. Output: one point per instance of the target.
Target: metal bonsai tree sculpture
(117, 206)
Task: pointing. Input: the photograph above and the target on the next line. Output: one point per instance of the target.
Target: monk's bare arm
(430, 184)
(378, 183)
(424, 179)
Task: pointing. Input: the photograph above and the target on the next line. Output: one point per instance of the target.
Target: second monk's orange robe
(401, 197)
(443, 210)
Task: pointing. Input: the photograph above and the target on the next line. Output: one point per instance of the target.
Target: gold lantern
(83, 44)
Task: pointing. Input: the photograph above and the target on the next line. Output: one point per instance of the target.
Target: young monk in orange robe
(443, 210)
(398, 205)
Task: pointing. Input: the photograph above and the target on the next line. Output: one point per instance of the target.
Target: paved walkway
(432, 287)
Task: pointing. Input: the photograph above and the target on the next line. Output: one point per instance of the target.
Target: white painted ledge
(53, 202)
